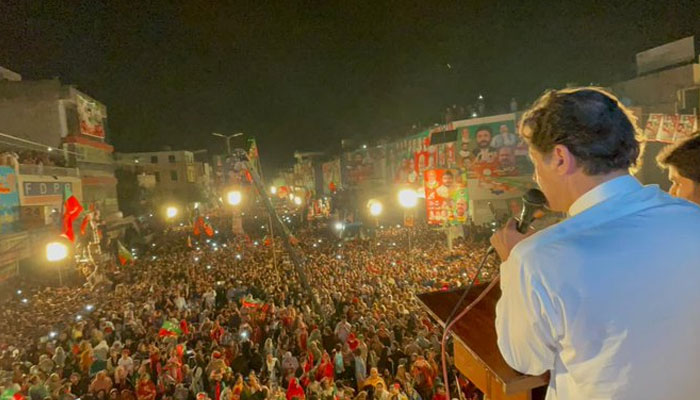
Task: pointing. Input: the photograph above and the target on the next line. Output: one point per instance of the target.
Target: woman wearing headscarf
(289, 364)
(294, 390)
(145, 389)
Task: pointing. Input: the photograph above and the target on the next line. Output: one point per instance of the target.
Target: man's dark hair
(485, 128)
(684, 156)
(593, 125)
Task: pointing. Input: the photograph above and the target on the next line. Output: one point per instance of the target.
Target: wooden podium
(476, 352)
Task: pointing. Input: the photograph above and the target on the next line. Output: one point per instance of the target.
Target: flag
(123, 254)
(208, 230)
(71, 211)
(11, 394)
(169, 328)
(84, 224)
(251, 302)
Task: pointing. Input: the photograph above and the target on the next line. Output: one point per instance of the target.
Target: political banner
(9, 199)
(446, 196)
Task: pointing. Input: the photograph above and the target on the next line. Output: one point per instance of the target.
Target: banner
(9, 199)
(446, 200)
(331, 176)
(669, 128)
(91, 116)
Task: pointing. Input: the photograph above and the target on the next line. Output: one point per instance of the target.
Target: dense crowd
(220, 320)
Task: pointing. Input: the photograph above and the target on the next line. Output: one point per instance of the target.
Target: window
(157, 177)
(173, 176)
(154, 159)
(171, 158)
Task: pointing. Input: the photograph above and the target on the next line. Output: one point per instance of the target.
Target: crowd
(221, 321)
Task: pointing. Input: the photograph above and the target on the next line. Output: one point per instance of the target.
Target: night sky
(303, 76)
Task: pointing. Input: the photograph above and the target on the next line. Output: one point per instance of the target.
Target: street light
(375, 207)
(171, 212)
(228, 139)
(56, 251)
(339, 226)
(234, 197)
(297, 200)
(408, 198)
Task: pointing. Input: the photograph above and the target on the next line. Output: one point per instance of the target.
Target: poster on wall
(653, 126)
(687, 124)
(493, 150)
(91, 115)
(446, 200)
(331, 176)
(9, 199)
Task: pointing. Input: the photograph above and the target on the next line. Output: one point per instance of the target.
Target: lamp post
(408, 198)
(228, 139)
(55, 253)
(234, 198)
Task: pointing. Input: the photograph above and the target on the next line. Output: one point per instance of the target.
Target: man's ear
(562, 160)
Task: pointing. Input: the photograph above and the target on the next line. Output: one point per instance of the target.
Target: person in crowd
(683, 163)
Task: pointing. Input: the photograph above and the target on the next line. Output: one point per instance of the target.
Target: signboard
(446, 199)
(9, 199)
(331, 176)
(91, 115)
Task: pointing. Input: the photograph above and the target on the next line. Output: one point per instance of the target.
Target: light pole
(55, 253)
(228, 139)
(408, 198)
(234, 198)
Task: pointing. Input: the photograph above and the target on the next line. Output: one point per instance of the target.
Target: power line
(42, 147)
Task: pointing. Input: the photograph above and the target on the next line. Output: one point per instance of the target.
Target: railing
(34, 169)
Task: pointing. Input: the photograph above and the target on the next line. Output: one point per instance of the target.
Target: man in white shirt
(604, 300)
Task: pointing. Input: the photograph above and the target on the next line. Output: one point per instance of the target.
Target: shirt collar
(602, 192)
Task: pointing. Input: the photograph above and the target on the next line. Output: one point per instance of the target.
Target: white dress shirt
(606, 299)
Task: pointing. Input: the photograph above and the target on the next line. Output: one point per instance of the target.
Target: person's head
(683, 163)
(483, 136)
(431, 175)
(447, 178)
(578, 138)
(503, 128)
(506, 157)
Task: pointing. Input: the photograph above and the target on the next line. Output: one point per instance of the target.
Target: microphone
(533, 208)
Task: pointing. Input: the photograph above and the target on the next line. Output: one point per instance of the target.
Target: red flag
(71, 211)
(208, 230)
(84, 224)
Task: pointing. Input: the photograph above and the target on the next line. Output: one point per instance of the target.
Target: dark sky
(303, 76)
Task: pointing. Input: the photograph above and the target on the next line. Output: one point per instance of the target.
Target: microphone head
(535, 197)
(533, 203)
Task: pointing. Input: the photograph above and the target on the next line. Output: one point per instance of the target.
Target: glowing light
(408, 198)
(171, 212)
(19, 291)
(273, 190)
(297, 200)
(238, 256)
(56, 251)
(339, 226)
(52, 334)
(208, 266)
(338, 256)
(234, 197)
(375, 208)
(89, 307)
(78, 317)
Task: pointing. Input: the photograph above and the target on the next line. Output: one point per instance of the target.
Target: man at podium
(606, 299)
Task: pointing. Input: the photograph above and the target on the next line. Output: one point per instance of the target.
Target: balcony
(47, 170)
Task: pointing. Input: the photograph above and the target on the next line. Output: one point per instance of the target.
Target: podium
(476, 353)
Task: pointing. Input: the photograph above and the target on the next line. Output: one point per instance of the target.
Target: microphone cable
(451, 319)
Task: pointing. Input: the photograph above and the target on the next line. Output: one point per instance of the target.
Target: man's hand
(504, 239)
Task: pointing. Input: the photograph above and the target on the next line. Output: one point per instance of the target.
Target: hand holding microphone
(514, 231)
